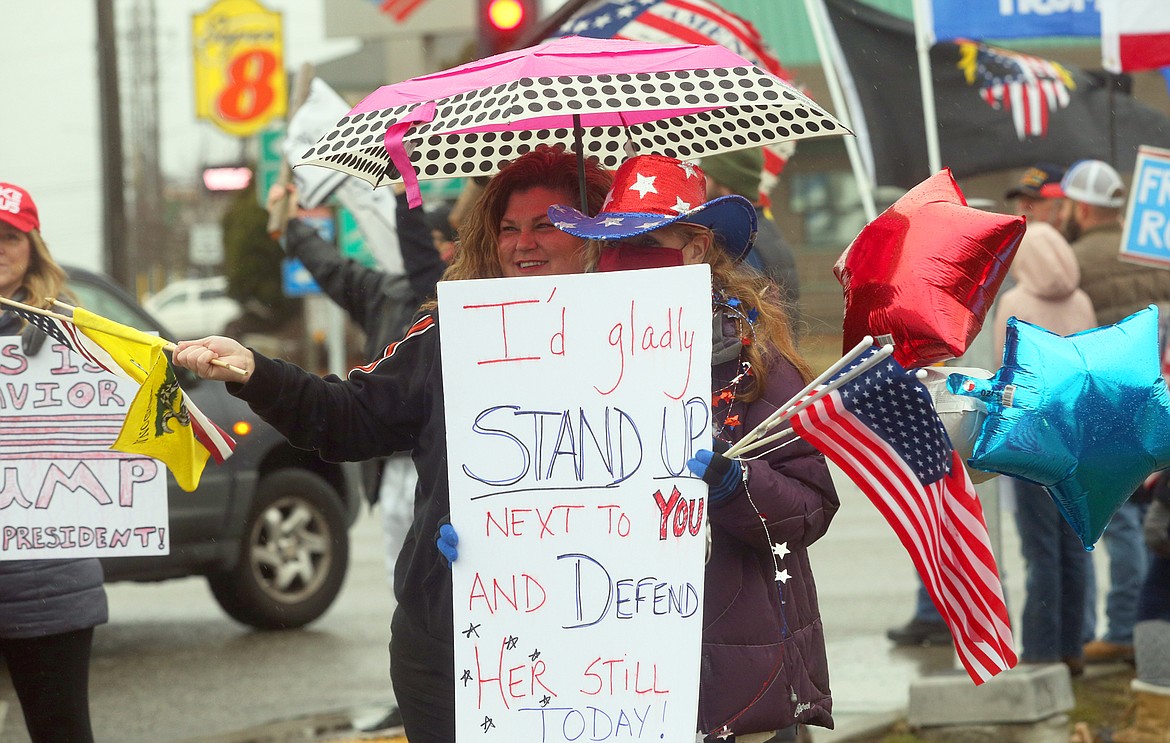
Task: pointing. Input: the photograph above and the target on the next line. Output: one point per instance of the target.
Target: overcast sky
(49, 127)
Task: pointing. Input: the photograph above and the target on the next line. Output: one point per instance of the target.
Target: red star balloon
(926, 272)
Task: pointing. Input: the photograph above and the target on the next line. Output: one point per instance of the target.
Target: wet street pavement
(171, 667)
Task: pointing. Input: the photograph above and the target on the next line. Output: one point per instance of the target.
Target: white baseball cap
(1094, 182)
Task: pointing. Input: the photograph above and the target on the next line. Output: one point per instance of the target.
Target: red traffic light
(505, 15)
(503, 24)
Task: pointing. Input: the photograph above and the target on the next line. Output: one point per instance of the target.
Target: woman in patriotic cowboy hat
(764, 668)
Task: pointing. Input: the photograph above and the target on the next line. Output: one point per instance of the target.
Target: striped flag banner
(1031, 88)
(399, 10)
(882, 430)
(688, 22)
(1135, 35)
(59, 437)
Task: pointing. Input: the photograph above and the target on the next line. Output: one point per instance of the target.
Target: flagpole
(788, 412)
(768, 422)
(922, 41)
(815, 10)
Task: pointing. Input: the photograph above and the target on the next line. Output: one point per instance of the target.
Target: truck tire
(294, 553)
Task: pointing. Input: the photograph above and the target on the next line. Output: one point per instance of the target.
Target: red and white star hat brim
(652, 191)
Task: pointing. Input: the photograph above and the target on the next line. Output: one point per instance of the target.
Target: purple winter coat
(763, 663)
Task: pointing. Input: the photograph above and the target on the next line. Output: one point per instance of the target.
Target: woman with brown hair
(395, 403)
(763, 667)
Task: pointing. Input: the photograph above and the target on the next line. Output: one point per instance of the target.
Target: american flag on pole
(882, 430)
(687, 22)
(1028, 87)
(399, 10)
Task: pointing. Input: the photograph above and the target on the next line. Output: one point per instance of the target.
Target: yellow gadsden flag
(158, 423)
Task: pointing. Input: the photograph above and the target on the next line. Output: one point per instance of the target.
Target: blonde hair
(771, 331)
(43, 279)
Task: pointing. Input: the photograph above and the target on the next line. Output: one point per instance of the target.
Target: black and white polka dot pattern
(754, 109)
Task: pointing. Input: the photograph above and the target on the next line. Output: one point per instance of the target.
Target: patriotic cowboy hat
(652, 191)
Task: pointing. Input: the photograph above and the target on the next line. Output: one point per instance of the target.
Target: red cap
(17, 208)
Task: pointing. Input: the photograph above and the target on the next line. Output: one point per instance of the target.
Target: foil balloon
(1086, 415)
(961, 415)
(925, 272)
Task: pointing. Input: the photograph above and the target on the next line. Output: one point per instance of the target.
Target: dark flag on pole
(997, 109)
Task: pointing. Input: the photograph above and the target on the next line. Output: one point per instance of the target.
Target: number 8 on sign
(239, 69)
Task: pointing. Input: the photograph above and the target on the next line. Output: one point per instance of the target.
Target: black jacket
(393, 404)
(382, 304)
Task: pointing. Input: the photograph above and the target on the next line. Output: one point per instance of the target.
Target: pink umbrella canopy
(605, 98)
(688, 22)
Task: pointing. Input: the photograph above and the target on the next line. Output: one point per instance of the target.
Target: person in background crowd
(1046, 294)
(382, 305)
(784, 496)
(1037, 196)
(443, 232)
(1095, 195)
(738, 173)
(395, 403)
(48, 608)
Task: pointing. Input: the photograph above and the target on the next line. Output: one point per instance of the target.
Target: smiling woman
(509, 225)
(529, 243)
(396, 404)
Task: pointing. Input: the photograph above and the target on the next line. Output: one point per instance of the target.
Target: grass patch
(1101, 702)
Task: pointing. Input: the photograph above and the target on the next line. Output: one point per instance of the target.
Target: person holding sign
(395, 403)
(48, 608)
(764, 667)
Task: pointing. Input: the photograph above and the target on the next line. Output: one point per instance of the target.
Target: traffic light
(503, 23)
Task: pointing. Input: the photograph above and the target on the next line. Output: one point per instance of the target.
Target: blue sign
(1146, 238)
(296, 280)
(1011, 19)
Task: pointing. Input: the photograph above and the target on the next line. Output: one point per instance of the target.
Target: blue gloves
(722, 475)
(446, 541)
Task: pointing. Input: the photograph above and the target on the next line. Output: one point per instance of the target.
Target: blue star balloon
(1086, 415)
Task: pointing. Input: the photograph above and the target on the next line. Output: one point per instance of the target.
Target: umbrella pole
(579, 145)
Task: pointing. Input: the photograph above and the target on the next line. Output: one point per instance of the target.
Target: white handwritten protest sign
(63, 492)
(572, 406)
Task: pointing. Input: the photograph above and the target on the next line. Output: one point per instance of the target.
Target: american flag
(882, 431)
(687, 22)
(399, 10)
(1030, 88)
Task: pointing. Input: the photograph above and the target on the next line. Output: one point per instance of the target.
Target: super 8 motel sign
(240, 83)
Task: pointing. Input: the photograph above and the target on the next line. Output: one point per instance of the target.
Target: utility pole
(150, 249)
(109, 103)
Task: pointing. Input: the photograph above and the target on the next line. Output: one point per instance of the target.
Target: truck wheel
(293, 554)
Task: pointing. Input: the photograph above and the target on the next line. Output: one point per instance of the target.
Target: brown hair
(544, 167)
(44, 278)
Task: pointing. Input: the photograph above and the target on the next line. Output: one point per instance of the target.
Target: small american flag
(882, 431)
(688, 22)
(399, 10)
(1029, 87)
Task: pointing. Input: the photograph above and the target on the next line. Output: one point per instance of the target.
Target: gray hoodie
(1047, 290)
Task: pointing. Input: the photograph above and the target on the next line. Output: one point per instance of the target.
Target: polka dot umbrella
(603, 98)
